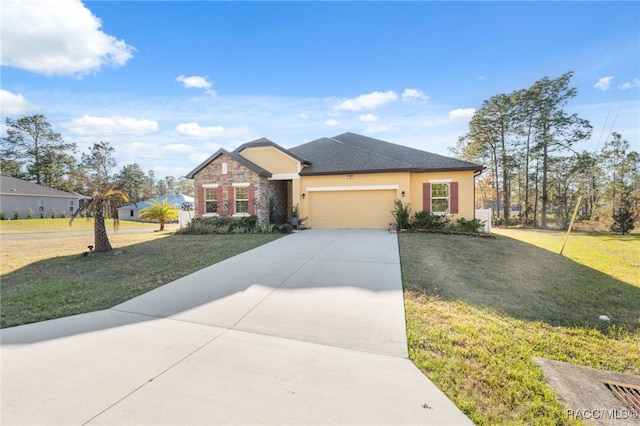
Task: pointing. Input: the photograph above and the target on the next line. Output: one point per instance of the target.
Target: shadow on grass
(187, 273)
(75, 284)
(518, 279)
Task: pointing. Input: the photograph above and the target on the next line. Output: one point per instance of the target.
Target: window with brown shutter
(440, 197)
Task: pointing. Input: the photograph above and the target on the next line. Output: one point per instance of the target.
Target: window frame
(237, 200)
(436, 199)
(207, 200)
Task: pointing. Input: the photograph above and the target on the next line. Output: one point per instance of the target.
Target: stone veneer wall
(238, 173)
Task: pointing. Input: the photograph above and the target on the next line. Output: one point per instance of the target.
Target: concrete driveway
(308, 329)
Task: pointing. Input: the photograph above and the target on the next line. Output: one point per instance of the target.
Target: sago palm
(160, 210)
(105, 200)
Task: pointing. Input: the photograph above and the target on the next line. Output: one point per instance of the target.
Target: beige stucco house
(347, 181)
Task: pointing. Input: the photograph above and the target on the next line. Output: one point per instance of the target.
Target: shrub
(286, 229)
(221, 225)
(464, 225)
(401, 213)
(429, 221)
(30, 214)
(16, 213)
(266, 229)
(2, 215)
(248, 222)
(622, 221)
(53, 213)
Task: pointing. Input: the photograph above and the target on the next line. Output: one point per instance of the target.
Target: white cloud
(414, 95)
(367, 118)
(630, 84)
(369, 101)
(604, 83)
(13, 104)
(178, 148)
(59, 37)
(461, 113)
(331, 122)
(90, 125)
(196, 82)
(194, 130)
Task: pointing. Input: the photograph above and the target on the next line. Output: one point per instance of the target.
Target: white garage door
(351, 209)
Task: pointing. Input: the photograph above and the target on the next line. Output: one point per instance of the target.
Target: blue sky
(168, 83)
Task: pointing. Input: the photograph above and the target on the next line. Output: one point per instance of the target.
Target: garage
(351, 208)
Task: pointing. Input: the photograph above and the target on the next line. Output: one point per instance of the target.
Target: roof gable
(272, 157)
(264, 142)
(240, 159)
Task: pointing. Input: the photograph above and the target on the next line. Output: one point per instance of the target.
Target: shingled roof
(14, 186)
(353, 153)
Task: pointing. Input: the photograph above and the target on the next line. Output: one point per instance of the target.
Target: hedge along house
(348, 181)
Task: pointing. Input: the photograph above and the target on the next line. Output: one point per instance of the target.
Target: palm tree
(160, 210)
(105, 199)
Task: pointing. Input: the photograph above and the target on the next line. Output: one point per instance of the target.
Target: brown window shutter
(231, 191)
(220, 197)
(426, 197)
(252, 199)
(453, 197)
(200, 201)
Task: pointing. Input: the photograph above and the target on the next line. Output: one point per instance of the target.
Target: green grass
(478, 310)
(615, 255)
(31, 226)
(48, 278)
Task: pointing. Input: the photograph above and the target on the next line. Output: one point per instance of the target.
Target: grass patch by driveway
(478, 310)
(48, 278)
(32, 226)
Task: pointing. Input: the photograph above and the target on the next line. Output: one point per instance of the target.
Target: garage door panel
(351, 209)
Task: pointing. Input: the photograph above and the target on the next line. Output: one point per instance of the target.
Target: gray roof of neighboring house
(14, 186)
(240, 159)
(353, 153)
(177, 199)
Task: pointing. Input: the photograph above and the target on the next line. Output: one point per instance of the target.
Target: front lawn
(46, 278)
(479, 309)
(32, 226)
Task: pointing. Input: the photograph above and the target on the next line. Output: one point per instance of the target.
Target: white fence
(185, 217)
(484, 215)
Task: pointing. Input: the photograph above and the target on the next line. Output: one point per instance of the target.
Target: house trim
(284, 176)
(352, 188)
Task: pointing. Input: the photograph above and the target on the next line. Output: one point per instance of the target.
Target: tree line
(535, 175)
(32, 151)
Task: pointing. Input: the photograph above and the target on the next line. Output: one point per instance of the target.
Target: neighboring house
(348, 181)
(17, 195)
(132, 211)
